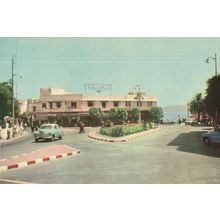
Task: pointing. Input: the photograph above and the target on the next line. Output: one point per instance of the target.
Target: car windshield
(46, 127)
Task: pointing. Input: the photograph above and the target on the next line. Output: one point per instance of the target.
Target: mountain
(175, 108)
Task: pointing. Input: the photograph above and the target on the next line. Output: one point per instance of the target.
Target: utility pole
(216, 73)
(13, 100)
(138, 97)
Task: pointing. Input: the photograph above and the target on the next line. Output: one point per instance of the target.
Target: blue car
(211, 137)
(48, 132)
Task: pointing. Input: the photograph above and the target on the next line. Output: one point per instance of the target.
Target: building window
(51, 105)
(103, 104)
(139, 105)
(73, 105)
(150, 104)
(90, 104)
(44, 105)
(34, 108)
(58, 104)
(116, 104)
(128, 104)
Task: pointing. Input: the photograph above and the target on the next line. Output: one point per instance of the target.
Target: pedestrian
(102, 124)
(81, 127)
(0, 132)
(8, 129)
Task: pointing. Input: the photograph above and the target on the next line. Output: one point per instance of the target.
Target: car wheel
(36, 140)
(206, 141)
(53, 137)
(60, 137)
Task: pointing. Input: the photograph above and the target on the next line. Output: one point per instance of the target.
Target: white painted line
(53, 157)
(14, 156)
(22, 164)
(3, 168)
(64, 155)
(39, 160)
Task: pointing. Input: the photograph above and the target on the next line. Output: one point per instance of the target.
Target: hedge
(119, 130)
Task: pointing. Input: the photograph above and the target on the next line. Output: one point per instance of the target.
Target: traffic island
(42, 155)
(126, 138)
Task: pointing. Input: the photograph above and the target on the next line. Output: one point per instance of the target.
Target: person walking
(8, 129)
(0, 132)
(81, 127)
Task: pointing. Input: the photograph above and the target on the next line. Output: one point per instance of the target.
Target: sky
(171, 69)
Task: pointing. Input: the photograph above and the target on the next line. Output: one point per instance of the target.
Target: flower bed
(123, 130)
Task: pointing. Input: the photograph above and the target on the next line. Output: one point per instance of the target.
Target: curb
(93, 135)
(36, 161)
(18, 139)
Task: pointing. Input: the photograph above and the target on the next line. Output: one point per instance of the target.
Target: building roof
(56, 94)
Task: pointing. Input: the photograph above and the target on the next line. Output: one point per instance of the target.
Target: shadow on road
(191, 143)
(45, 141)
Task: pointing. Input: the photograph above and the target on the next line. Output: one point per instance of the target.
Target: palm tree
(196, 105)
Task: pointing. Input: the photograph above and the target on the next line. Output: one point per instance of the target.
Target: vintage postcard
(109, 110)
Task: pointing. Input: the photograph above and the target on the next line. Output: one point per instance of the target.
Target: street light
(20, 76)
(13, 98)
(216, 73)
(215, 59)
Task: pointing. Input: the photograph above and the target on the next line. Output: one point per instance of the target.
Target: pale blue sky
(172, 69)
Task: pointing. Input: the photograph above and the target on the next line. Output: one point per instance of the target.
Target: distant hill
(175, 108)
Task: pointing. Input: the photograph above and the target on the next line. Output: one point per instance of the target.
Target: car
(211, 137)
(191, 121)
(48, 132)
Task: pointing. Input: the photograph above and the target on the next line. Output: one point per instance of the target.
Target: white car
(191, 121)
(48, 132)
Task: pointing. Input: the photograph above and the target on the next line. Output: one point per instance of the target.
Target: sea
(173, 116)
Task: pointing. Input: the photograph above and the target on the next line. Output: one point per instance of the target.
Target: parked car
(211, 137)
(191, 121)
(48, 132)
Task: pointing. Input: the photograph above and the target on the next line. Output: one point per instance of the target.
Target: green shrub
(146, 126)
(118, 115)
(117, 131)
(156, 113)
(106, 131)
(133, 115)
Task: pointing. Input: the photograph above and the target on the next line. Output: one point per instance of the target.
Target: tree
(134, 114)
(156, 114)
(25, 117)
(212, 100)
(95, 115)
(196, 105)
(118, 115)
(6, 100)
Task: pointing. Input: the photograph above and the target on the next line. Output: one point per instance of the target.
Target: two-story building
(57, 104)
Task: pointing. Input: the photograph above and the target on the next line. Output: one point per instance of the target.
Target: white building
(55, 103)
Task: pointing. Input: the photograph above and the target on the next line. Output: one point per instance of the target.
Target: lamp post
(139, 97)
(13, 100)
(215, 59)
(216, 73)
(13, 91)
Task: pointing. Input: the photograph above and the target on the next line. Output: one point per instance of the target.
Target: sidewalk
(126, 138)
(42, 155)
(5, 141)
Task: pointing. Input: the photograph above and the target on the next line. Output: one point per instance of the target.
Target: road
(174, 154)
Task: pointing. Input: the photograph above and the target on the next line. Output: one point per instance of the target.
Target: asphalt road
(175, 154)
